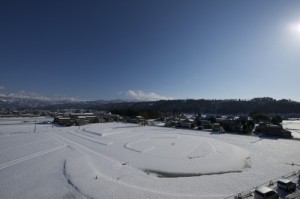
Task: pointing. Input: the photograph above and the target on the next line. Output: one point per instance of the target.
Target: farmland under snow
(117, 160)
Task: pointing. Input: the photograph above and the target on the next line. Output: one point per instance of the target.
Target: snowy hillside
(30, 102)
(126, 161)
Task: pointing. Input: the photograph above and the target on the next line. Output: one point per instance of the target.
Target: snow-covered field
(126, 161)
(293, 126)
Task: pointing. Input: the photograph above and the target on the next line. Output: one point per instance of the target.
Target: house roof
(285, 181)
(92, 116)
(64, 118)
(81, 114)
(264, 189)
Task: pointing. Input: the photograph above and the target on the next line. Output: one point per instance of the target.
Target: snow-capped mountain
(23, 101)
(32, 100)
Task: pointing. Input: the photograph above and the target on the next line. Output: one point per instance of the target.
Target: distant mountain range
(21, 102)
(26, 102)
(233, 106)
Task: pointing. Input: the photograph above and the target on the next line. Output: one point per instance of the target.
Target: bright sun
(295, 27)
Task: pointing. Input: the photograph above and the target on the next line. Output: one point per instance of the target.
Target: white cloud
(142, 96)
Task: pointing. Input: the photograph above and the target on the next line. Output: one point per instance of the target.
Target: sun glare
(295, 27)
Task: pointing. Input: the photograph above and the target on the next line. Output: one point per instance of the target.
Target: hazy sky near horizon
(159, 49)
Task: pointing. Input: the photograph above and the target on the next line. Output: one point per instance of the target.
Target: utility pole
(34, 127)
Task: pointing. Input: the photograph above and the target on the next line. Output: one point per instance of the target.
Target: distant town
(254, 123)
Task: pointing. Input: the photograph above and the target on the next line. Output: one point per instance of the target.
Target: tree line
(260, 105)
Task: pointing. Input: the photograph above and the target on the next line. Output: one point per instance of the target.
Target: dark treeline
(263, 105)
(236, 106)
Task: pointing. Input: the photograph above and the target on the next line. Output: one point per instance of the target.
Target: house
(66, 121)
(91, 119)
(186, 123)
(205, 124)
(267, 129)
(217, 127)
(75, 119)
(83, 118)
(76, 115)
(80, 120)
(141, 120)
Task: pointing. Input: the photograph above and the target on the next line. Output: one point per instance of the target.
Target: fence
(249, 193)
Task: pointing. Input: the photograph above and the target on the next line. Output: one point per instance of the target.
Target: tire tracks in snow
(28, 157)
(71, 183)
(175, 195)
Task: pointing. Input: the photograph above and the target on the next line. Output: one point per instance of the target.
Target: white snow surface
(293, 126)
(126, 161)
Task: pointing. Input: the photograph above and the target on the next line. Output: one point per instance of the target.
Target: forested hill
(265, 105)
(234, 106)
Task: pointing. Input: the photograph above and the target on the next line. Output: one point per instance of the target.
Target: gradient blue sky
(151, 49)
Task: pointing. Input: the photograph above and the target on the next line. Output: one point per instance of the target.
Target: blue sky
(158, 49)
